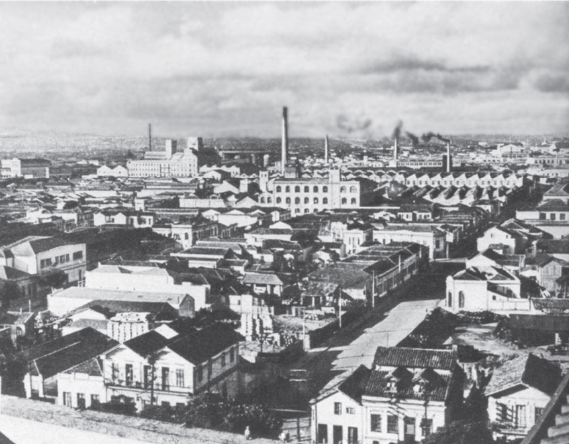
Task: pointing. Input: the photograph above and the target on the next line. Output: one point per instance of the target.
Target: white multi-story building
(167, 163)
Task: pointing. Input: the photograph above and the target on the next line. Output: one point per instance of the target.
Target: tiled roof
(262, 279)
(529, 370)
(9, 273)
(378, 386)
(199, 347)
(415, 358)
(147, 343)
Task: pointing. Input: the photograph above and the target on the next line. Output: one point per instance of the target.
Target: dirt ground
(289, 323)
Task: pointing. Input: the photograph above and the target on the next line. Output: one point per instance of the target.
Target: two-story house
(172, 370)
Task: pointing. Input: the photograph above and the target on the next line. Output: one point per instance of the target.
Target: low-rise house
(267, 283)
(518, 392)
(410, 394)
(44, 362)
(175, 369)
(127, 218)
(16, 324)
(337, 412)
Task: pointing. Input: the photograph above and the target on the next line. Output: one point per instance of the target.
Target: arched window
(315, 189)
(186, 236)
(279, 200)
(287, 189)
(287, 200)
(297, 200)
(460, 299)
(306, 189)
(325, 200)
(342, 189)
(297, 189)
(269, 200)
(279, 189)
(344, 201)
(297, 210)
(353, 201)
(324, 189)
(306, 210)
(306, 200)
(353, 190)
(449, 300)
(316, 200)
(262, 200)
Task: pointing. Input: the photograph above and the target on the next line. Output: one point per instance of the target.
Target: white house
(518, 392)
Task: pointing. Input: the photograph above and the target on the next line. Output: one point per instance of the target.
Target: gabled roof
(210, 341)
(351, 384)
(530, 371)
(147, 343)
(415, 358)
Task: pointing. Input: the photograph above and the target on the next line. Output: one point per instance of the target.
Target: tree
(54, 279)
(8, 291)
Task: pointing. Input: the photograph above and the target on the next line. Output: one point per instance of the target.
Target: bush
(175, 415)
(462, 433)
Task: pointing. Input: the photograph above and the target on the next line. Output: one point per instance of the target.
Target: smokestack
(448, 156)
(149, 137)
(326, 149)
(395, 149)
(284, 153)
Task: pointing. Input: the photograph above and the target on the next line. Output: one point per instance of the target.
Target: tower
(284, 148)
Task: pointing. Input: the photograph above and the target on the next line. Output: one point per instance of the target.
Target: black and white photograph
(312, 222)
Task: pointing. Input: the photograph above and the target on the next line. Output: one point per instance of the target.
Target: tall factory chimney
(284, 153)
(149, 137)
(449, 160)
(395, 148)
(326, 149)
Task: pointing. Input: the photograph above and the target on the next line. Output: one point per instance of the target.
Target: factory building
(168, 163)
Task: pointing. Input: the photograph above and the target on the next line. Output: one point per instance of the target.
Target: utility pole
(373, 289)
(340, 307)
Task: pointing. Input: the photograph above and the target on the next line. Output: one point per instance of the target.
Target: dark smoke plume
(413, 137)
(397, 130)
(344, 123)
(428, 136)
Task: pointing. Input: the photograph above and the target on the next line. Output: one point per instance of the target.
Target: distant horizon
(225, 69)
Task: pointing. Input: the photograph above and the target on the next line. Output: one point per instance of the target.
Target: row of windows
(516, 414)
(297, 201)
(315, 189)
(67, 400)
(223, 359)
(64, 258)
(460, 299)
(552, 216)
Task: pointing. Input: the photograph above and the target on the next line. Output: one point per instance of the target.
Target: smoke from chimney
(414, 139)
(428, 136)
(284, 148)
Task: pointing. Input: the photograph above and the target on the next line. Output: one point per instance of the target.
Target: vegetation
(8, 292)
(462, 432)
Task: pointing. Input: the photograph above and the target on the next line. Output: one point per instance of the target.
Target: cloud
(227, 68)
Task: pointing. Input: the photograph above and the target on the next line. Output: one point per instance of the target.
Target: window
(353, 201)
(342, 189)
(279, 189)
(287, 189)
(344, 201)
(297, 200)
(325, 201)
(324, 189)
(44, 263)
(80, 401)
(297, 189)
(67, 399)
(520, 418)
(180, 378)
(322, 433)
(223, 359)
(77, 255)
(128, 374)
(552, 216)
(427, 426)
(350, 410)
(199, 373)
(460, 299)
(232, 355)
(561, 216)
(165, 378)
(502, 412)
(278, 200)
(375, 422)
(316, 200)
(287, 200)
(95, 401)
(337, 408)
(392, 424)
(315, 189)
(353, 190)
(147, 376)
(352, 435)
(306, 189)
(306, 200)
(538, 413)
(449, 300)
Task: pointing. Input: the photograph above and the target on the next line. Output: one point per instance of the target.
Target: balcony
(138, 385)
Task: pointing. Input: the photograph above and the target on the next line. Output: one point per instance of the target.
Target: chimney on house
(284, 153)
(326, 149)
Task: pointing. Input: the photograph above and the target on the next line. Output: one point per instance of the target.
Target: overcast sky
(221, 69)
